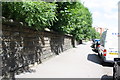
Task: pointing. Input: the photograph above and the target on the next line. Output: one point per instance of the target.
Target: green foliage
(73, 18)
(94, 34)
(97, 35)
(37, 15)
(63, 17)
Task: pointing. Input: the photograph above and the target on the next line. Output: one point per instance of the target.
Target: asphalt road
(79, 62)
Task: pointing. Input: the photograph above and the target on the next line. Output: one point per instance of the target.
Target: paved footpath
(79, 62)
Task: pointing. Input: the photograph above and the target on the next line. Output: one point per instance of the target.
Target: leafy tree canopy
(64, 17)
(73, 18)
(35, 14)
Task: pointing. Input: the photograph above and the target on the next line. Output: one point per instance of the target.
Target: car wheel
(98, 55)
(115, 74)
(102, 62)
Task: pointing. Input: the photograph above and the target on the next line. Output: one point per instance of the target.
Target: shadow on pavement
(107, 64)
(106, 77)
(83, 44)
(94, 58)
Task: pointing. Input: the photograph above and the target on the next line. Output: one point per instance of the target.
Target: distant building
(100, 30)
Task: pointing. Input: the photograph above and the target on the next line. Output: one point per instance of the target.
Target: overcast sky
(104, 12)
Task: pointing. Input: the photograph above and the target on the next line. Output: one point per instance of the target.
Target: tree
(73, 18)
(64, 17)
(94, 34)
(36, 15)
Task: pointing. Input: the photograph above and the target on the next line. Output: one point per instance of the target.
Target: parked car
(96, 44)
(109, 45)
(116, 69)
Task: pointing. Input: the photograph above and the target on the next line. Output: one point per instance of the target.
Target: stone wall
(22, 46)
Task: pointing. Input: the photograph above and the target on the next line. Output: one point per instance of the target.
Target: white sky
(104, 12)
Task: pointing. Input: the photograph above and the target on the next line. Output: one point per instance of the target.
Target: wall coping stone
(12, 23)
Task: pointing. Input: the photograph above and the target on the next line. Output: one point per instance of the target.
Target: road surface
(79, 62)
